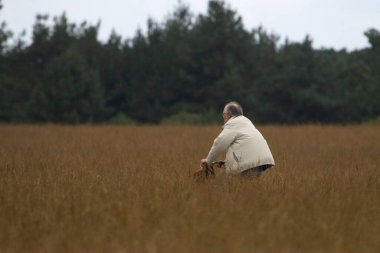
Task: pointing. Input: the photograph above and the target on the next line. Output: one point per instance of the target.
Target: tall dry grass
(129, 189)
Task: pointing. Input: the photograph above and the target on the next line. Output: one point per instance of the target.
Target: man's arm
(220, 145)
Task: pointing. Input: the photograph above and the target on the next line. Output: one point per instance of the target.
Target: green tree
(261, 75)
(71, 92)
(145, 61)
(10, 92)
(356, 94)
(159, 67)
(185, 65)
(290, 88)
(5, 102)
(220, 57)
(373, 59)
(115, 74)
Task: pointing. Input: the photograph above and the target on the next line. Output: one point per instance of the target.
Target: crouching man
(247, 152)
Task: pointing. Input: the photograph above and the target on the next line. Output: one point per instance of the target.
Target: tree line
(184, 67)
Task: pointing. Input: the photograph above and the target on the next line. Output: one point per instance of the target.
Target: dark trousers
(256, 171)
(250, 173)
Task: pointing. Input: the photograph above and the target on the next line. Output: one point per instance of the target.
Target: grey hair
(234, 108)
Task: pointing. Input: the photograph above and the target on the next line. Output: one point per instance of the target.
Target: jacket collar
(231, 120)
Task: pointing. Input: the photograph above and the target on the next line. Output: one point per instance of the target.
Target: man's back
(247, 147)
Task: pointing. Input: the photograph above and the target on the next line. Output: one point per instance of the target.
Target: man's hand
(205, 171)
(203, 161)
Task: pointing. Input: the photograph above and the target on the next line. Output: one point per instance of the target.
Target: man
(248, 153)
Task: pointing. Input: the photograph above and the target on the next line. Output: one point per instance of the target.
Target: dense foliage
(186, 65)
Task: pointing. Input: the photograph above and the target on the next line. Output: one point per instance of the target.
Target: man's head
(232, 109)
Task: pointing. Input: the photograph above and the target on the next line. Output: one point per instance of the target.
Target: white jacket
(245, 145)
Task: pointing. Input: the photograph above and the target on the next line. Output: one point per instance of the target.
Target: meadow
(130, 189)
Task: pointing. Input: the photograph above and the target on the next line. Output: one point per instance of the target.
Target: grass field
(129, 189)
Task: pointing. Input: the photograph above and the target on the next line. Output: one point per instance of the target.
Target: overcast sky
(330, 23)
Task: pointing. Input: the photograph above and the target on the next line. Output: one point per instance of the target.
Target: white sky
(330, 23)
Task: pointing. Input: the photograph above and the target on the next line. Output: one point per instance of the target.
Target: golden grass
(129, 189)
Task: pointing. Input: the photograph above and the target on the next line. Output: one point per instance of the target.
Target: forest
(183, 69)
